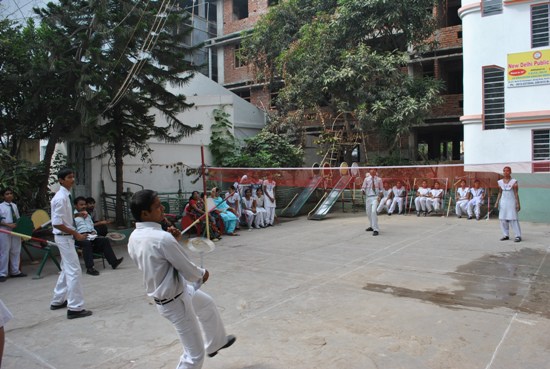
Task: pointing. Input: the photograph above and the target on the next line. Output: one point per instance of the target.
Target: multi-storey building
(506, 94)
(439, 139)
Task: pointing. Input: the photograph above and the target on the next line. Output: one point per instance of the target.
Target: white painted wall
(161, 176)
(488, 41)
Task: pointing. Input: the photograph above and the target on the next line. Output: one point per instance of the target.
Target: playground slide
(295, 207)
(331, 199)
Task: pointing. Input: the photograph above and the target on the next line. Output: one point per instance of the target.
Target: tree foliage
(348, 56)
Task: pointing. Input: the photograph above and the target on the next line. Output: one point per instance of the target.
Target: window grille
(541, 150)
(491, 7)
(540, 25)
(493, 97)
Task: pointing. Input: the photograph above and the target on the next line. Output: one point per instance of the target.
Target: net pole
(411, 201)
(203, 166)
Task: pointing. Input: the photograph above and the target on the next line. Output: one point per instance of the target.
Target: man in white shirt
(94, 243)
(173, 281)
(68, 289)
(10, 246)
(371, 188)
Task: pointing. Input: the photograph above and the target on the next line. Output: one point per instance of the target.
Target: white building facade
(506, 50)
(506, 82)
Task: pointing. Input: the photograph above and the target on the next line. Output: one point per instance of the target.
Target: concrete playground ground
(429, 292)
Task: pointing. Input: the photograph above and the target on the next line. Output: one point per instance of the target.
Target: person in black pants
(94, 243)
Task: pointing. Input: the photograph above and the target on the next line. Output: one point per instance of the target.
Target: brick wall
(261, 98)
(256, 8)
(449, 37)
(232, 74)
(451, 106)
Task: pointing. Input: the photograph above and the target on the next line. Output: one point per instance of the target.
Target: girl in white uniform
(232, 198)
(261, 214)
(399, 194)
(433, 202)
(477, 196)
(269, 199)
(249, 208)
(508, 205)
(462, 197)
(385, 201)
(420, 201)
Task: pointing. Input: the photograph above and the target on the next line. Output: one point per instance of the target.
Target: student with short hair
(10, 245)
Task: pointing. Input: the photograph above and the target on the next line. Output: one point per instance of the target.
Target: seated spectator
(435, 198)
(196, 209)
(399, 194)
(226, 212)
(261, 213)
(477, 197)
(233, 199)
(94, 243)
(462, 197)
(99, 225)
(422, 194)
(386, 196)
(249, 208)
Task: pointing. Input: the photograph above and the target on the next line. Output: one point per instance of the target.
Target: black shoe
(3, 279)
(459, 216)
(73, 314)
(469, 217)
(57, 307)
(116, 263)
(375, 233)
(230, 340)
(505, 238)
(517, 239)
(425, 213)
(369, 229)
(389, 214)
(18, 275)
(92, 271)
(417, 213)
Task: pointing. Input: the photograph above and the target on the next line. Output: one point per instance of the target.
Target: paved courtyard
(427, 293)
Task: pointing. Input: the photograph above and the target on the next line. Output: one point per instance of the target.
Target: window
(493, 97)
(244, 94)
(239, 62)
(491, 7)
(540, 25)
(240, 9)
(541, 150)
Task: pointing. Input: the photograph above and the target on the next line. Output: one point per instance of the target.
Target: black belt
(166, 301)
(62, 234)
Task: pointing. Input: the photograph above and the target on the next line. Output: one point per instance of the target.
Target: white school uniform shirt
(5, 214)
(463, 193)
(165, 266)
(367, 186)
(62, 210)
(436, 193)
(423, 191)
(398, 192)
(477, 193)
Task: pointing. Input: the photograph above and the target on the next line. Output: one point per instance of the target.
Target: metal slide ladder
(331, 199)
(294, 208)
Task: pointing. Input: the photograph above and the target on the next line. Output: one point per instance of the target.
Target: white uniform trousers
(433, 204)
(10, 254)
(461, 207)
(397, 201)
(384, 204)
(68, 285)
(371, 204)
(420, 203)
(474, 207)
(260, 219)
(270, 218)
(505, 227)
(248, 217)
(189, 313)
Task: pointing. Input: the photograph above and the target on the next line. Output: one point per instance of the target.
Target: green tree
(121, 61)
(348, 56)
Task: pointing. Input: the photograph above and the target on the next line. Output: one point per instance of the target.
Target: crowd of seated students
(430, 199)
(244, 204)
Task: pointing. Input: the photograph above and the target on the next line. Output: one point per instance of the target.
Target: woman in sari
(196, 209)
(226, 212)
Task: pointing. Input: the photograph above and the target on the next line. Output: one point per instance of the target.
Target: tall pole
(206, 210)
